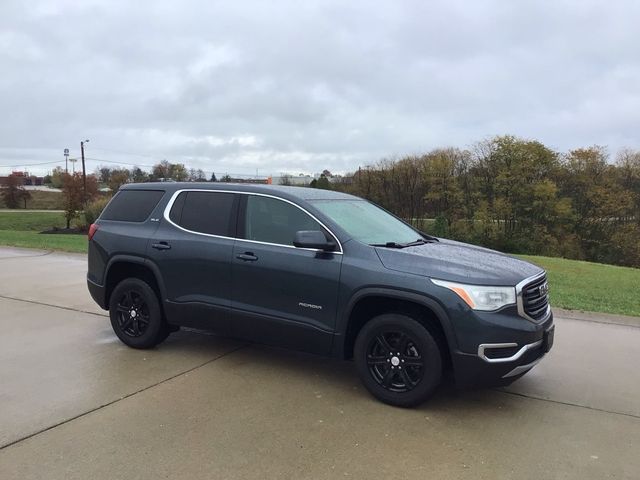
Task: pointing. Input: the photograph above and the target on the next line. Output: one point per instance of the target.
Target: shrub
(93, 209)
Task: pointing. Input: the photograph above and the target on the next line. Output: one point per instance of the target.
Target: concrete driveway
(75, 403)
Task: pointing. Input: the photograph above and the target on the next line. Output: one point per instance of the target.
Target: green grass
(22, 229)
(592, 287)
(65, 243)
(41, 200)
(25, 220)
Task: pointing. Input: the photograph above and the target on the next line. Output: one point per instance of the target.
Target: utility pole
(66, 160)
(84, 173)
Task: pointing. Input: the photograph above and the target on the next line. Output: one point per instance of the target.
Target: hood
(458, 262)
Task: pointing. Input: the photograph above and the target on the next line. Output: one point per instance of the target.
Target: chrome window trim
(167, 210)
(483, 346)
(520, 301)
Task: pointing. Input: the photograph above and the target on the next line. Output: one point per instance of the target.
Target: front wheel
(398, 360)
(136, 316)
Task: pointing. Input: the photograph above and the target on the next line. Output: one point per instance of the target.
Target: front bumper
(499, 363)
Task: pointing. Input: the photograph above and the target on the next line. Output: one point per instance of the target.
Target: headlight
(481, 297)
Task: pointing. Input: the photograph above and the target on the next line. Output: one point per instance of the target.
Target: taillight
(92, 230)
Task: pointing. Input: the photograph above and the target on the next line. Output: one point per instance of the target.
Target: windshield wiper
(388, 245)
(419, 241)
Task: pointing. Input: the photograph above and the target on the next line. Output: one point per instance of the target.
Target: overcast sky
(301, 86)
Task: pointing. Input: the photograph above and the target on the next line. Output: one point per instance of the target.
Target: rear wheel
(136, 316)
(398, 360)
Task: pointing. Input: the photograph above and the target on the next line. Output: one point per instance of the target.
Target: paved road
(75, 403)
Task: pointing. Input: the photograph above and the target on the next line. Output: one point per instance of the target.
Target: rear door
(282, 295)
(193, 248)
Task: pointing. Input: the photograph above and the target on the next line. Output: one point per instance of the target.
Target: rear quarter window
(204, 212)
(132, 205)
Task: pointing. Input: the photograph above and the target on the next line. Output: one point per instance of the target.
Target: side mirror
(313, 239)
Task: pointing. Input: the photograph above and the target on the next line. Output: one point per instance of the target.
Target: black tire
(136, 316)
(403, 380)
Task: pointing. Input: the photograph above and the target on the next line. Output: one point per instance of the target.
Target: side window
(204, 212)
(275, 221)
(176, 209)
(132, 205)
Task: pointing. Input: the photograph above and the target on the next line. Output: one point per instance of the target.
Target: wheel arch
(128, 266)
(370, 302)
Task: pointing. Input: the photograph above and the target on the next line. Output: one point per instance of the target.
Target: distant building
(27, 179)
(300, 180)
(261, 181)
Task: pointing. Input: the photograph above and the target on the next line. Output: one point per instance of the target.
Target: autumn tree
(57, 177)
(323, 183)
(601, 204)
(443, 171)
(138, 175)
(167, 170)
(73, 196)
(104, 174)
(628, 177)
(197, 175)
(117, 178)
(13, 192)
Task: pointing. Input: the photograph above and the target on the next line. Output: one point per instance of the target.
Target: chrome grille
(535, 298)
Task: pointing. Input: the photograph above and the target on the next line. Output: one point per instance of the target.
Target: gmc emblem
(543, 289)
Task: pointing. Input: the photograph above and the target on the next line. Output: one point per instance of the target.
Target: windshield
(366, 222)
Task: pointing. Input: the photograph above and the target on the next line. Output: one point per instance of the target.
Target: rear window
(132, 205)
(204, 212)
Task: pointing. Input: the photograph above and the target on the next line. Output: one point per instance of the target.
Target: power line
(119, 163)
(30, 164)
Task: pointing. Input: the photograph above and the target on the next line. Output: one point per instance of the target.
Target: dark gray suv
(319, 271)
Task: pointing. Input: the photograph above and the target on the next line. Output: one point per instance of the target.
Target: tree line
(516, 195)
(507, 193)
(115, 177)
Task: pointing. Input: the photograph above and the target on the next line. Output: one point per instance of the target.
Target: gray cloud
(302, 86)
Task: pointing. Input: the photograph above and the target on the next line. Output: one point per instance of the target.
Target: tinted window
(132, 205)
(274, 221)
(204, 212)
(176, 209)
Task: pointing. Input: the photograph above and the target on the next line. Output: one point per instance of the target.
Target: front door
(282, 295)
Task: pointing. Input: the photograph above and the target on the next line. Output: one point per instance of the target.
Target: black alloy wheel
(398, 359)
(133, 313)
(136, 315)
(394, 361)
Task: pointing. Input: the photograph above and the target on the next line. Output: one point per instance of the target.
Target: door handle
(247, 257)
(161, 246)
